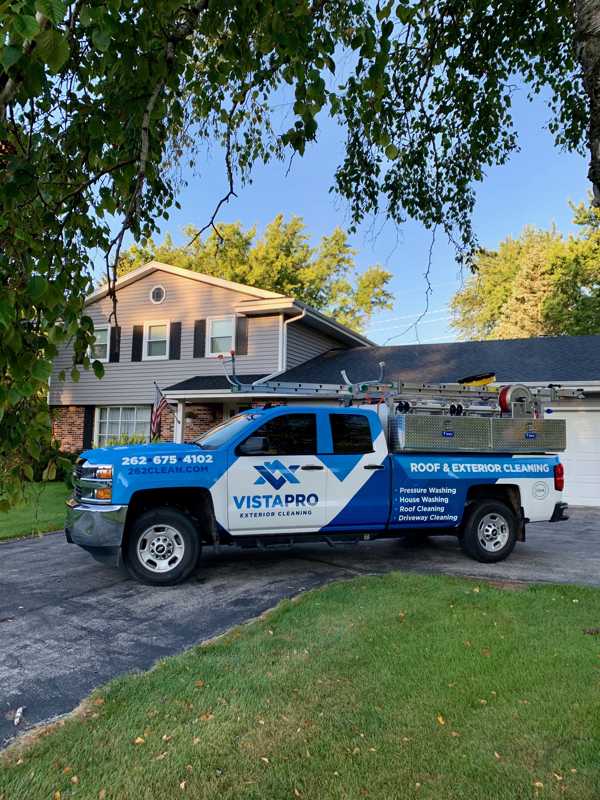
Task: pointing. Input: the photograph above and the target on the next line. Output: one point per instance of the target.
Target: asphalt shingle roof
(208, 382)
(545, 360)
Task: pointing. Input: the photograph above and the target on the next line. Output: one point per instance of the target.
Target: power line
(404, 317)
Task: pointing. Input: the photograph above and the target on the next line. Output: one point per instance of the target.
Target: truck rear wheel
(490, 531)
(163, 547)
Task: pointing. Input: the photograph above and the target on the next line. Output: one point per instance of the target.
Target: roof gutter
(282, 367)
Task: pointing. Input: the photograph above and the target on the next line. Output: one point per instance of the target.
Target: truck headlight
(93, 482)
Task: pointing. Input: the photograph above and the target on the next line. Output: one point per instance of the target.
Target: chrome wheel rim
(493, 532)
(161, 548)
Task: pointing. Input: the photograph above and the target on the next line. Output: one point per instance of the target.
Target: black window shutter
(88, 426)
(199, 338)
(175, 341)
(241, 336)
(115, 344)
(137, 343)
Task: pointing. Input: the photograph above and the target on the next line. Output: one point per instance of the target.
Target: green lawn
(398, 687)
(43, 511)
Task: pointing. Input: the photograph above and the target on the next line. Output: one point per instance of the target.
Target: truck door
(275, 482)
(358, 472)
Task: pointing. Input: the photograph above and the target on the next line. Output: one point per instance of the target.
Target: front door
(275, 482)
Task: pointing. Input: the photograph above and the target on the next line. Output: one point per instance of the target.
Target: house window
(115, 424)
(156, 340)
(157, 294)
(100, 349)
(221, 336)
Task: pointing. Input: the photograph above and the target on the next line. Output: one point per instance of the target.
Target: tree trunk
(587, 41)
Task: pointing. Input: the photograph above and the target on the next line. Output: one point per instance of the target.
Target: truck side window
(351, 433)
(288, 435)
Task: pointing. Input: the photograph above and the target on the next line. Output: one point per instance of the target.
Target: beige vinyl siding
(304, 343)
(130, 382)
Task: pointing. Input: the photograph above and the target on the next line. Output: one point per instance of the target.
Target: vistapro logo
(276, 473)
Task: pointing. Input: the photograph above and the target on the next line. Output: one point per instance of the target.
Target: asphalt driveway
(68, 624)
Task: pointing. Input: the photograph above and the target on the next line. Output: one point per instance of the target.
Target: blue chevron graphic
(268, 473)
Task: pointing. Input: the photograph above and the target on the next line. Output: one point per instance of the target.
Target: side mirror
(254, 445)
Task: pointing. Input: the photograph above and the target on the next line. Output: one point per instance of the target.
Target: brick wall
(167, 423)
(67, 427)
(199, 418)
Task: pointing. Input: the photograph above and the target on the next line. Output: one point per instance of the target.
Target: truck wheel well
(193, 501)
(505, 493)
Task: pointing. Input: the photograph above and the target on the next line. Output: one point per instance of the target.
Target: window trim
(209, 324)
(136, 406)
(157, 286)
(108, 338)
(145, 340)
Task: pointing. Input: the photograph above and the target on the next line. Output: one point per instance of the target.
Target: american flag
(160, 403)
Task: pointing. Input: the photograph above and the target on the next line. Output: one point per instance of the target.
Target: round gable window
(158, 294)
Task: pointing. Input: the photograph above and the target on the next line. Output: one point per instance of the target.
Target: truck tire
(490, 531)
(163, 547)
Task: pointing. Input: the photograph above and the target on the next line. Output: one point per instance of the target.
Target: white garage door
(582, 457)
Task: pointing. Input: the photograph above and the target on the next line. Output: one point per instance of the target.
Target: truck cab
(292, 473)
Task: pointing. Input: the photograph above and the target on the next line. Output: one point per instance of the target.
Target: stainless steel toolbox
(437, 433)
(440, 433)
(522, 435)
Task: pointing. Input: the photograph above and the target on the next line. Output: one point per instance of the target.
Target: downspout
(283, 350)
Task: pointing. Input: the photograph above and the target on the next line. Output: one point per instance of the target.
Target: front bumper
(93, 526)
(560, 512)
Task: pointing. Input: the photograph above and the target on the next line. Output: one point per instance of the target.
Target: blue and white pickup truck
(292, 473)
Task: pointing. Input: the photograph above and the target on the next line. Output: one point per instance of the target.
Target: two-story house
(171, 326)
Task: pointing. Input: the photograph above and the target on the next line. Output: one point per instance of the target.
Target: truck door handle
(311, 466)
(374, 466)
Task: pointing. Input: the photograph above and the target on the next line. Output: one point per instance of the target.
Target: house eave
(153, 266)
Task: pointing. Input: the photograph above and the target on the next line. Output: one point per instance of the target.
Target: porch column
(179, 422)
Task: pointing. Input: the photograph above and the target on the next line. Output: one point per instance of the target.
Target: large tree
(536, 285)
(101, 100)
(281, 260)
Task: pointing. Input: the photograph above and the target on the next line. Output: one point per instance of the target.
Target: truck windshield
(217, 436)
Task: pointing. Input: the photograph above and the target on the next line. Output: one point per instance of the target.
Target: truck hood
(113, 455)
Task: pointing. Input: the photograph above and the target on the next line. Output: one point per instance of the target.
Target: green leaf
(404, 14)
(26, 26)
(53, 9)
(98, 368)
(28, 471)
(383, 13)
(391, 152)
(75, 375)
(37, 288)
(42, 370)
(53, 49)
(85, 17)
(101, 39)
(10, 55)
(50, 472)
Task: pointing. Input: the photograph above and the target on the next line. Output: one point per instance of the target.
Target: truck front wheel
(490, 531)
(163, 547)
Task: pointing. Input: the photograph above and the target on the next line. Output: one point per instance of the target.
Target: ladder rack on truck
(445, 416)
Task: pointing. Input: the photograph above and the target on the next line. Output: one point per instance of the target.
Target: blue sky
(533, 188)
